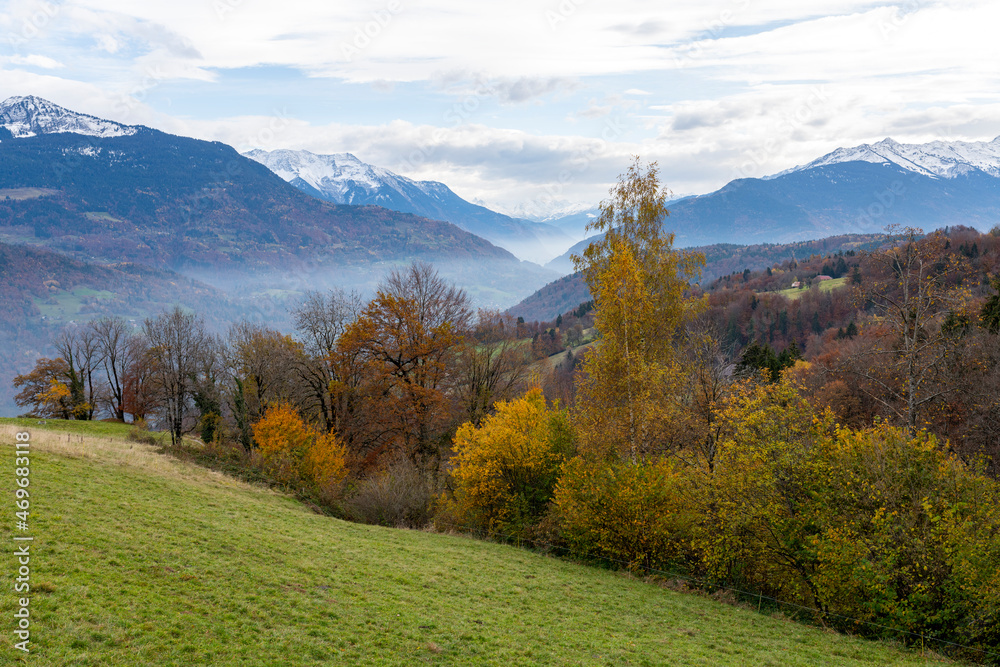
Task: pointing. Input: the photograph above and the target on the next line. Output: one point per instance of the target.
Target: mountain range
(102, 191)
(344, 179)
(857, 190)
(944, 159)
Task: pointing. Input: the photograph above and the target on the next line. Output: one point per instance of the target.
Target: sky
(531, 107)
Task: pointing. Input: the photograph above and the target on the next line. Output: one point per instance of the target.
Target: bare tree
(493, 364)
(914, 285)
(320, 321)
(113, 334)
(710, 377)
(177, 343)
(79, 348)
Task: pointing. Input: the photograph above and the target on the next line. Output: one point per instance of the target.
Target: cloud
(34, 60)
(504, 89)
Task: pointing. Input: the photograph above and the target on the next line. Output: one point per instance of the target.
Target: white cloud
(33, 60)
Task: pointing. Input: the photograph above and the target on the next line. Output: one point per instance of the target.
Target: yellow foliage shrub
(506, 469)
(326, 462)
(868, 524)
(634, 513)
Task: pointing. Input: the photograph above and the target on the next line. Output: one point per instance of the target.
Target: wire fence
(707, 584)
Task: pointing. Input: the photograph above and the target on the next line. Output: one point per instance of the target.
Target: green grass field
(68, 304)
(825, 286)
(141, 559)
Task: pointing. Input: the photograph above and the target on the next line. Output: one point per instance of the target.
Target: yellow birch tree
(640, 288)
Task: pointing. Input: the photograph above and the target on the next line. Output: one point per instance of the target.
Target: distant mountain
(860, 190)
(344, 179)
(837, 198)
(124, 193)
(575, 224)
(946, 159)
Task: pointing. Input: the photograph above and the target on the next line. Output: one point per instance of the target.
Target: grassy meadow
(142, 559)
(824, 286)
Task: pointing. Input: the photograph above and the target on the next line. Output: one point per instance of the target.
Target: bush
(293, 452)
(869, 524)
(283, 439)
(505, 471)
(140, 432)
(399, 496)
(637, 514)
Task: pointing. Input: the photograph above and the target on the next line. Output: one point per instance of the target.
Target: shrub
(293, 452)
(399, 496)
(325, 465)
(869, 524)
(140, 432)
(635, 513)
(505, 471)
(283, 439)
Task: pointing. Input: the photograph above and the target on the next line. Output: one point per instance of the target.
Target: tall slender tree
(640, 286)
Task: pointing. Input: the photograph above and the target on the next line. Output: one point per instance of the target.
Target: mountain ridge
(342, 178)
(202, 209)
(30, 116)
(945, 159)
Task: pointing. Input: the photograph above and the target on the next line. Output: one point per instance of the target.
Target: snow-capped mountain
(30, 116)
(942, 159)
(344, 179)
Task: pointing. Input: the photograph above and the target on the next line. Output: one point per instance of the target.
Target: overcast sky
(522, 104)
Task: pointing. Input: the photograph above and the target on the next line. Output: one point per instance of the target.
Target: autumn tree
(259, 363)
(139, 393)
(640, 284)
(914, 285)
(46, 389)
(408, 337)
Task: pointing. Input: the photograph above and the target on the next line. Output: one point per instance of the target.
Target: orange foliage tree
(293, 452)
(46, 389)
(408, 338)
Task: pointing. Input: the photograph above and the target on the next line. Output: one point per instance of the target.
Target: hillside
(139, 559)
(41, 291)
(721, 259)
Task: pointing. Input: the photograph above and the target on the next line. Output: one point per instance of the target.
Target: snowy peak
(344, 179)
(937, 159)
(30, 116)
(337, 176)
